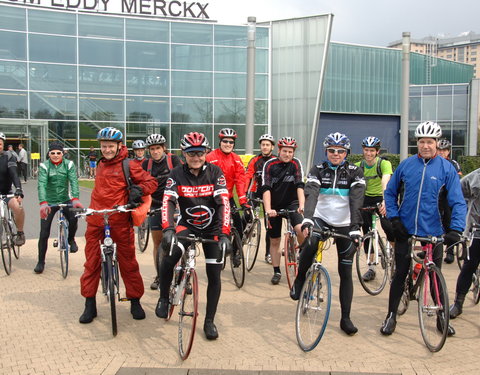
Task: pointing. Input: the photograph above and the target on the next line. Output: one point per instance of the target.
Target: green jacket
(53, 182)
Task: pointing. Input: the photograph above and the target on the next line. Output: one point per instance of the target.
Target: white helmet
(138, 144)
(266, 137)
(156, 139)
(2, 136)
(428, 129)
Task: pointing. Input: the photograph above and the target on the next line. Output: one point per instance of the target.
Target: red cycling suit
(255, 170)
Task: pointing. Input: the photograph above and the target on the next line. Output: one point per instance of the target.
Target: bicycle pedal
(55, 243)
(124, 299)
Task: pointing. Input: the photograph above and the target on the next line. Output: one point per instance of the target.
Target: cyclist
(92, 160)
(334, 194)
(200, 190)
(421, 178)
(253, 177)
(443, 149)
(471, 191)
(9, 177)
(159, 166)
(282, 186)
(377, 173)
(111, 189)
(57, 183)
(139, 147)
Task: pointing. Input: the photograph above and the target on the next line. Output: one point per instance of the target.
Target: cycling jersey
(54, 182)
(335, 194)
(8, 173)
(456, 165)
(282, 180)
(373, 180)
(253, 176)
(203, 200)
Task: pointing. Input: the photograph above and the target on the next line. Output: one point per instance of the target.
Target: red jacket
(111, 187)
(233, 170)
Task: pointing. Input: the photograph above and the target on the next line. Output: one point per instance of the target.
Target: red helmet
(287, 142)
(227, 133)
(194, 140)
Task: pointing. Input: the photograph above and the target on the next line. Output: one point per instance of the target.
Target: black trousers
(22, 170)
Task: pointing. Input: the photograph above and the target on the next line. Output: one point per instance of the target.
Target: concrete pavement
(40, 333)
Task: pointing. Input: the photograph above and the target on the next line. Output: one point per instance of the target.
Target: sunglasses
(339, 151)
(195, 153)
(229, 142)
(56, 153)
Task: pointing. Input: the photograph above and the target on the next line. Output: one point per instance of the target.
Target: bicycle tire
(111, 292)
(460, 252)
(13, 230)
(143, 235)
(313, 308)
(476, 286)
(252, 243)
(375, 286)
(433, 314)
(64, 248)
(6, 247)
(187, 315)
(238, 272)
(290, 259)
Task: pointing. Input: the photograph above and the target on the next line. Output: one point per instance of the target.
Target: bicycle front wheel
(252, 243)
(111, 294)
(188, 314)
(143, 234)
(290, 258)
(372, 264)
(6, 247)
(476, 286)
(13, 231)
(433, 305)
(64, 248)
(460, 253)
(237, 260)
(313, 308)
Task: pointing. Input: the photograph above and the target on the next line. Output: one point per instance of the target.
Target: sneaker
(369, 275)
(389, 325)
(136, 309)
(277, 276)
(295, 292)
(162, 308)
(210, 330)
(268, 259)
(449, 258)
(155, 284)
(73, 246)
(20, 239)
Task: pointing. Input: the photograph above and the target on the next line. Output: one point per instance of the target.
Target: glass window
(445, 90)
(444, 108)
(148, 109)
(106, 80)
(429, 108)
(261, 61)
(13, 75)
(459, 133)
(193, 110)
(191, 33)
(261, 112)
(52, 22)
(231, 35)
(192, 84)
(147, 55)
(230, 59)
(139, 130)
(415, 91)
(231, 85)
(13, 104)
(460, 107)
(51, 48)
(89, 130)
(262, 35)
(154, 31)
(429, 90)
(460, 89)
(230, 111)
(100, 52)
(100, 26)
(240, 142)
(150, 82)
(261, 86)
(414, 109)
(101, 107)
(12, 18)
(178, 131)
(53, 77)
(66, 130)
(13, 46)
(192, 57)
(53, 105)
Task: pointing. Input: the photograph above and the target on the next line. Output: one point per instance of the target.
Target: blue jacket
(422, 183)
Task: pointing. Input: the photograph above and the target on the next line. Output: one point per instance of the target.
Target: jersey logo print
(195, 191)
(200, 216)
(170, 183)
(222, 181)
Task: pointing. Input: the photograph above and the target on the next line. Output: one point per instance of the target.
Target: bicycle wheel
(143, 234)
(64, 248)
(460, 253)
(111, 295)
(476, 286)
(188, 314)
(433, 305)
(6, 247)
(237, 260)
(13, 230)
(290, 258)
(252, 243)
(313, 308)
(372, 262)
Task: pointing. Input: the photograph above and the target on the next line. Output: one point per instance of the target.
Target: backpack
(140, 213)
(169, 163)
(379, 166)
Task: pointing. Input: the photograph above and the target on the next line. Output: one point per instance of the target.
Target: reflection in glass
(192, 84)
(142, 130)
(150, 82)
(12, 18)
(13, 104)
(53, 77)
(230, 111)
(429, 108)
(261, 111)
(102, 26)
(66, 131)
(231, 59)
(12, 45)
(100, 52)
(192, 33)
(192, 110)
(231, 85)
(13, 75)
(106, 80)
(261, 61)
(262, 37)
(147, 55)
(101, 107)
(444, 108)
(50, 48)
(141, 29)
(53, 106)
(40, 21)
(192, 57)
(178, 130)
(147, 109)
(235, 36)
(89, 130)
(414, 110)
(460, 106)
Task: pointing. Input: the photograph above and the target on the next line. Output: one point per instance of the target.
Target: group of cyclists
(423, 196)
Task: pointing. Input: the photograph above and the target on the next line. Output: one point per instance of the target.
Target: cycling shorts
(275, 227)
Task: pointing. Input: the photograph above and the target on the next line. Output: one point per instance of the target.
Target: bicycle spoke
(237, 261)
(6, 247)
(64, 248)
(291, 258)
(252, 243)
(187, 314)
(372, 264)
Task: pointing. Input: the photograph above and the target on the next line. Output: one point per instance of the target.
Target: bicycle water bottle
(416, 271)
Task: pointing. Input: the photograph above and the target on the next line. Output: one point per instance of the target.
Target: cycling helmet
(428, 129)
(266, 137)
(110, 134)
(2, 136)
(371, 142)
(138, 144)
(227, 133)
(444, 144)
(287, 142)
(155, 139)
(194, 141)
(337, 139)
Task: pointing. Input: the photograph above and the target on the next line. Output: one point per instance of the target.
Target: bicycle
(184, 293)
(109, 275)
(237, 259)
(313, 307)
(8, 232)
(62, 240)
(378, 253)
(430, 290)
(143, 234)
(252, 234)
(291, 249)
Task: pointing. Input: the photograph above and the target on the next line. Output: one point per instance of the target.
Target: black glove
(168, 236)
(307, 225)
(399, 230)
(224, 244)
(19, 193)
(355, 235)
(135, 195)
(452, 237)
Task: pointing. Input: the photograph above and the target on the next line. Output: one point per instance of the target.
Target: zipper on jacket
(419, 195)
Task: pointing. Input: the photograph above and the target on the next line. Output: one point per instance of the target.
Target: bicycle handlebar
(6, 196)
(194, 239)
(330, 233)
(429, 239)
(111, 211)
